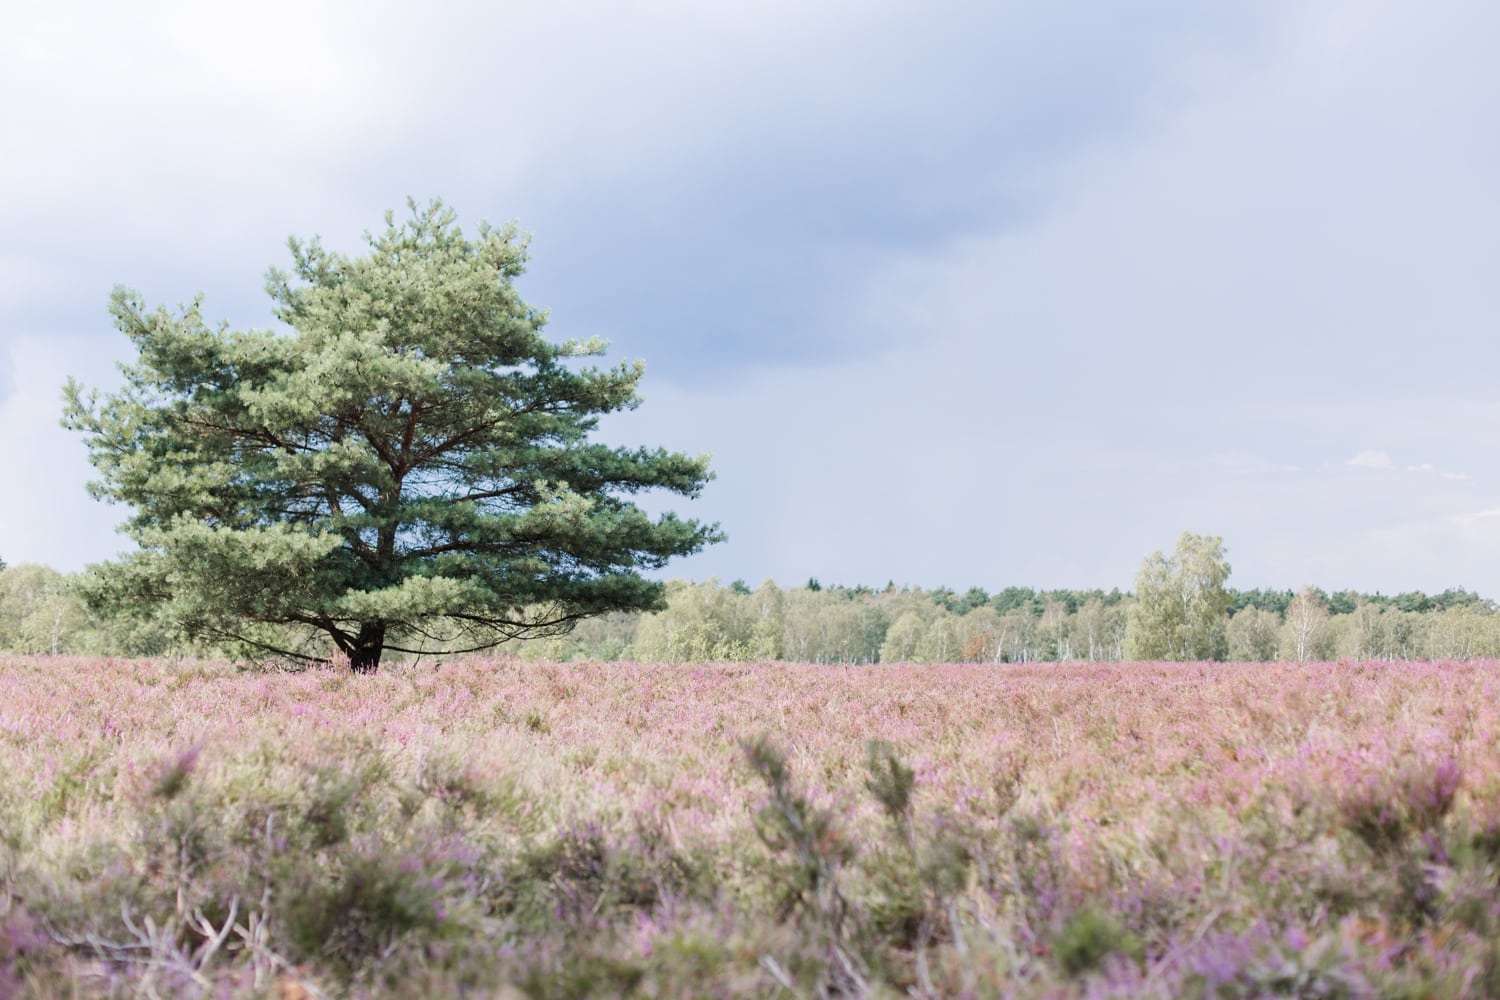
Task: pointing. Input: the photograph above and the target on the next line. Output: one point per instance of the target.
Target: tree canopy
(406, 466)
(1181, 605)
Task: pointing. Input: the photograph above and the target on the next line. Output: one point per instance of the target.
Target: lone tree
(407, 468)
(1181, 608)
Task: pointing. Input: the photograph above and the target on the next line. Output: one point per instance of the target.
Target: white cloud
(1372, 459)
(1478, 524)
(178, 99)
(1428, 469)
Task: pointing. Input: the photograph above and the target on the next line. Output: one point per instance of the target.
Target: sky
(992, 293)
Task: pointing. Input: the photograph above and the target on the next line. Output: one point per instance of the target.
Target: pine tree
(408, 468)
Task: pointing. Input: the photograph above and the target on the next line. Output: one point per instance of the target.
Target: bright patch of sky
(963, 293)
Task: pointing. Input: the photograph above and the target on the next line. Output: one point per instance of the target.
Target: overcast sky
(993, 293)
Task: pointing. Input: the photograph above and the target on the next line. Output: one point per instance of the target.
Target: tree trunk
(364, 658)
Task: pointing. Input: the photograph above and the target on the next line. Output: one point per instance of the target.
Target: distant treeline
(41, 613)
(833, 624)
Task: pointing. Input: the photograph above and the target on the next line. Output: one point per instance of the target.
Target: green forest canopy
(41, 612)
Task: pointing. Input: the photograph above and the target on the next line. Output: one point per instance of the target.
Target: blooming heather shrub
(1089, 936)
(804, 835)
(1031, 873)
(1259, 961)
(172, 775)
(1483, 822)
(1429, 790)
(813, 851)
(331, 797)
(1386, 805)
(1042, 831)
(372, 901)
(915, 873)
(584, 874)
(1397, 809)
(891, 782)
(22, 946)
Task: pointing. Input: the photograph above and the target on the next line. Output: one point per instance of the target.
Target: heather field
(497, 828)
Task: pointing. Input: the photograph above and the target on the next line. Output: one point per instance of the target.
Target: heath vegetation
(502, 828)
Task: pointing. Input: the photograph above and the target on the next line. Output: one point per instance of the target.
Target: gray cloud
(990, 293)
(708, 186)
